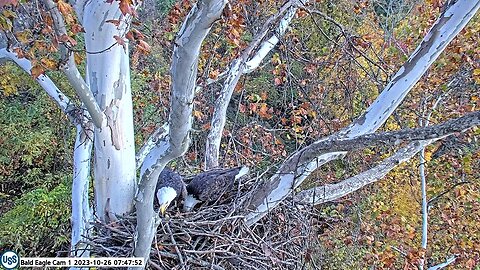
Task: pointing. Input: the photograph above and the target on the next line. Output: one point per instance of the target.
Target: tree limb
(48, 85)
(238, 67)
(184, 75)
(81, 212)
(70, 69)
(331, 192)
(448, 25)
(444, 264)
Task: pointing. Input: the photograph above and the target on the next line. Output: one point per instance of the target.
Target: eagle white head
(189, 203)
(165, 196)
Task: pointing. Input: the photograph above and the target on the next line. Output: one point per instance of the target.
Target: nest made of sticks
(215, 236)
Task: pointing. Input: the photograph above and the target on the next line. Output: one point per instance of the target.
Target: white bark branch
(81, 212)
(331, 192)
(160, 134)
(445, 264)
(71, 71)
(449, 24)
(424, 136)
(423, 182)
(268, 45)
(184, 75)
(46, 83)
(239, 67)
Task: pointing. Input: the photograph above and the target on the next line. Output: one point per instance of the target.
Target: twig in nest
(180, 258)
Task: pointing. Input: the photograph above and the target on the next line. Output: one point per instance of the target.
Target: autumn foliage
(330, 66)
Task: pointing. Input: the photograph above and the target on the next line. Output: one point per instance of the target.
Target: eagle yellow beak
(163, 209)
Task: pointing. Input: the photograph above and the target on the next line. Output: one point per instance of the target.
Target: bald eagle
(210, 185)
(170, 186)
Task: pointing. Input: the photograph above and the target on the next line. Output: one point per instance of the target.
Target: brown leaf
(263, 112)
(48, 63)
(77, 28)
(8, 2)
(19, 52)
(114, 22)
(36, 71)
(214, 74)
(119, 40)
(130, 36)
(64, 8)
(67, 39)
(143, 46)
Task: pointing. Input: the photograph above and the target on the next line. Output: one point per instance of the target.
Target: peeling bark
(109, 80)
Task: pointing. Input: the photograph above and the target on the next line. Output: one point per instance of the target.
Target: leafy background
(315, 82)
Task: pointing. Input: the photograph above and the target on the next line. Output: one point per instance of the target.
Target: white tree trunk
(81, 212)
(109, 80)
(449, 24)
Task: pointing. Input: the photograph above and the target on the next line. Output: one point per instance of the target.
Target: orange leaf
(64, 8)
(19, 52)
(36, 71)
(263, 112)
(214, 74)
(125, 7)
(48, 63)
(143, 46)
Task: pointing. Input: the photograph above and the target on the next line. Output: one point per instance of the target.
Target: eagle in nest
(170, 187)
(210, 185)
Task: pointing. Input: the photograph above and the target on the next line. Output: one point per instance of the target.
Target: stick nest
(215, 236)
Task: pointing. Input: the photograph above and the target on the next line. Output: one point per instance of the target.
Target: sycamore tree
(90, 42)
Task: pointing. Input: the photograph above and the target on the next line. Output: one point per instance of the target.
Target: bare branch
(71, 71)
(445, 264)
(332, 192)
(448, 25)
(376, 139)
(238, 67)
(47, 84)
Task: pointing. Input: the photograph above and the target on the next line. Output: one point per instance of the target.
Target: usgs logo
(9, 260)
